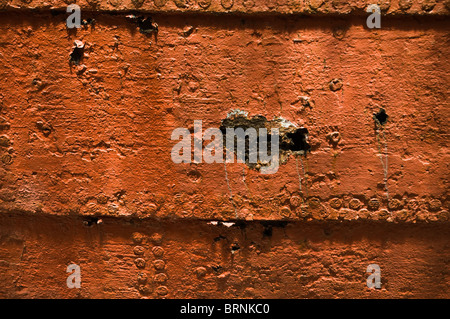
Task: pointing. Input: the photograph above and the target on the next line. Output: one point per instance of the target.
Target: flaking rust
(146, 25)
(293, 140)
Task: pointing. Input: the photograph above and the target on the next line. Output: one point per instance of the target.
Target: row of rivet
(159, 264)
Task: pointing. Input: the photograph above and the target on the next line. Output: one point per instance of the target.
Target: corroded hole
(381, 116)
(292, 140)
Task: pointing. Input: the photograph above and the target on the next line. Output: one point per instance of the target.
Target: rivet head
(138, 250)
(102, 199)
(159, 264)
(204, 3)
(113, 208)
(139, 262)
(383, 214)
(336, 203)
(354, 203)
(303, 212)
(295, 201)
(428, 5)
(405, 4)
(145, 290)
(200, 272)
(334, 138)
(142, 278)
(435, 205)
(373, 204)
(158, 251)
(422, 215)
(443, 215)
(384, 5)
(413, 204)
(395, 204)
(243, 213)
(339, 33)
(248, 3)
(348, 214)
(315, 4)
(4, 141)
(181, 3)
(363, 213)
(402, 215)
(162, 290)
(285, 211)
(314, 203)
(137, 238)
(335, 85)
(137, 3)
(156, 239)
(4, 125)
(93, 3)
(227, 4)
(160, 278)
(160, 3)
(115, 3)
(6, 159)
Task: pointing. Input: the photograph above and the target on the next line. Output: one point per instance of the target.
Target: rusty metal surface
(192, 259)
(87, 178)
(307, 7)
(94, 138)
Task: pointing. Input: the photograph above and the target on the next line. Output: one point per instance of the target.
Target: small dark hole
(381, 116)
(267, 231)
(235, 247)
(297, 141)
(146, 25)
(76, 55)
(88, 21)
(217, 269)
(90, 221)
(219, 238)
